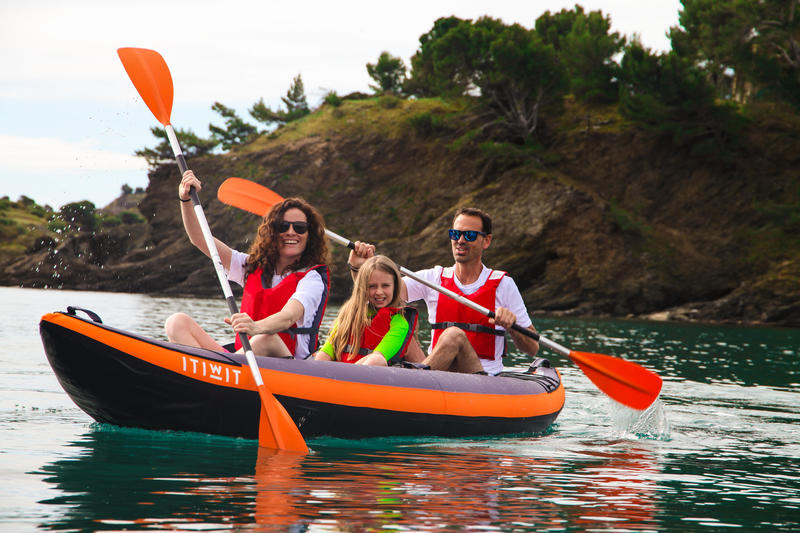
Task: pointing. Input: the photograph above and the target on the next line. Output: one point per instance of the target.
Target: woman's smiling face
(292, 243)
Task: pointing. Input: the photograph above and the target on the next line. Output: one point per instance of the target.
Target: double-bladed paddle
(626, 382)
(150, 75)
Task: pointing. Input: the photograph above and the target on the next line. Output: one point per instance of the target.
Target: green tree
(236, 130)
(333, 99)
(131, 217)
(38, 210)
(669, 95)
(295, 101)
(79, 216)
(774, 50)
(26, 201)
(713, 34)
(586, 48)
(553, 28)
(389, 73)
(511, 71)
(424, 80)
(525, 77)
(749, 48)
(191, 145)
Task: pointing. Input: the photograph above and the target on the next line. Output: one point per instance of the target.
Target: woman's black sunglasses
(299, 227)
(469, 235)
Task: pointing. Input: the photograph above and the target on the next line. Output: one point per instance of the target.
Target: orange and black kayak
(122, 378)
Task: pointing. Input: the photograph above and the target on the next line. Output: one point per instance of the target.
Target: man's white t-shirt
(309, 293)
(507, 296)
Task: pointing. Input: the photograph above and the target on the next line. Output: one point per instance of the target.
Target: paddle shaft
(460, 299)
(212, 250)
(150, 75)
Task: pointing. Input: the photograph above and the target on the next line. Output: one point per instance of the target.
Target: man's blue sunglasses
(469, 235)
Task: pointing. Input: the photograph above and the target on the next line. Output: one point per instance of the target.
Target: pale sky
(70, 119)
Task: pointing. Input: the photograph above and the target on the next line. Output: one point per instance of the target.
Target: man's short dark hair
(486, 219)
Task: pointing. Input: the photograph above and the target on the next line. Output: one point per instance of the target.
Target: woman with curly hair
(284, 275)
(374, 326)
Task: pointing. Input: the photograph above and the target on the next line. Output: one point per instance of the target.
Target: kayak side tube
(125, 379)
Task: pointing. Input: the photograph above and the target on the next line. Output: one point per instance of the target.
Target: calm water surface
(719, 451)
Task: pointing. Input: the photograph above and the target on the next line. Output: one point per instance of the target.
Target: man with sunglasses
(464, 340)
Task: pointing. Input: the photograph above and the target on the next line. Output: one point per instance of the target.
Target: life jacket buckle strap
(476, 328)
(361, 351)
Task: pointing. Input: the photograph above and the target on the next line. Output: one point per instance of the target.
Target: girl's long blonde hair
(354, 317)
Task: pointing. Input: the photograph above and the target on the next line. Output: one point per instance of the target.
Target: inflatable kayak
(122, 378)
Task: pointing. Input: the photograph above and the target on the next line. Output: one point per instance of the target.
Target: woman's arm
(291, 313)
(192, 225)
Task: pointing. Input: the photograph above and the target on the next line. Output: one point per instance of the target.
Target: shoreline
(688, 314)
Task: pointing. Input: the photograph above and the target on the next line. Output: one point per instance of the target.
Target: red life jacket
(260, 301)
(377, 329)
(480, 332)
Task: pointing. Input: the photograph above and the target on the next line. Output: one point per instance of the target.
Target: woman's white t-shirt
(309, 293)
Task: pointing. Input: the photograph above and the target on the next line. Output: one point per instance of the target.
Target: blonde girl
(374, 326)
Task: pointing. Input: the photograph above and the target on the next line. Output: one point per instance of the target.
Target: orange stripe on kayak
(413, 400)
(319, 389)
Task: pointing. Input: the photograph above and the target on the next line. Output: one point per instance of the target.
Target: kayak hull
(125, 379)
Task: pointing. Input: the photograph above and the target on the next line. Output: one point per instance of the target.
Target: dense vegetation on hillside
(22, 225)
(726, 54)
(26, 226)
(732, 62)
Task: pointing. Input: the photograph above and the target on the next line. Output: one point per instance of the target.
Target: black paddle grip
(517, 327)
(525, 331)
(181, 163)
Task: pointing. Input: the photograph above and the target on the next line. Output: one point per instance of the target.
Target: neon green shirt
(391, 343)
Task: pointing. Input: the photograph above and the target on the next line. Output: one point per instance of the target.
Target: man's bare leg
(454, 353)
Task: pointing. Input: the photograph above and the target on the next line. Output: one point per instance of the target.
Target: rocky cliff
(606, 220)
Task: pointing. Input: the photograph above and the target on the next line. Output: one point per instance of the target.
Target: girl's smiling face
(380, 288)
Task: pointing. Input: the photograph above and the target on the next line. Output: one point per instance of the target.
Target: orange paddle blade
(248, 196)
(150, 75)
(276, 429)
(626, 382)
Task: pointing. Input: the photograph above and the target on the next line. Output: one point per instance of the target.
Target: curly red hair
(264, 251)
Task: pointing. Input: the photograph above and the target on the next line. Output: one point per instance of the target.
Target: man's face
(468, 252)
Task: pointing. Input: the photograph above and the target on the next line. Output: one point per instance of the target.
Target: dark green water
(719, 451)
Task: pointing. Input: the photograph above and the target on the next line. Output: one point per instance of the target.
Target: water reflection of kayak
(126, 379)
(126, 479)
